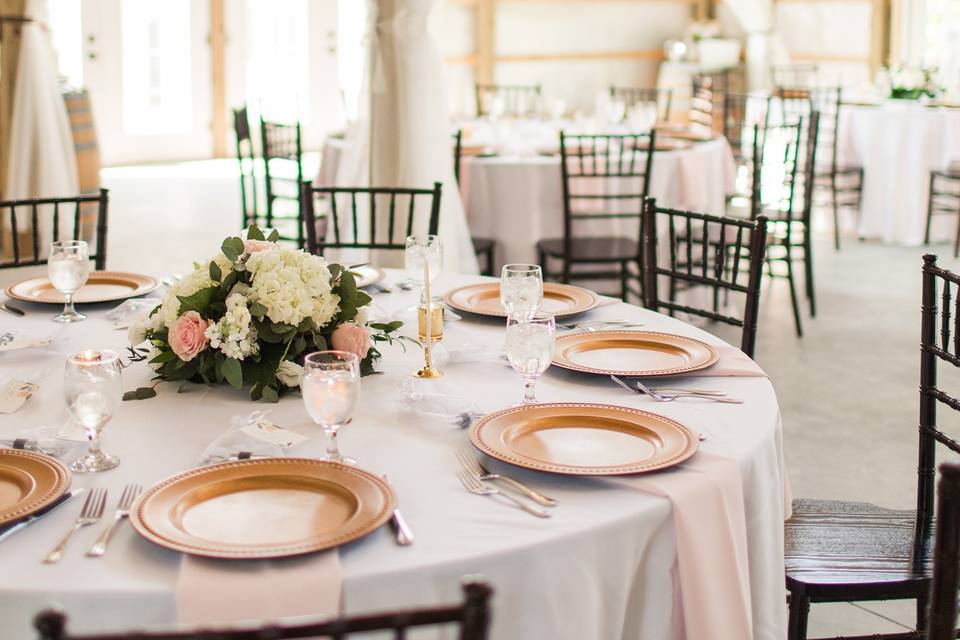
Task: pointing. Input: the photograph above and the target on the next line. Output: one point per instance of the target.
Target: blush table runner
(210, 591)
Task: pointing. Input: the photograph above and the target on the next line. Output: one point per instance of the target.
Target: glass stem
(333, 451)
(94, 448)
(68, 309)
(529, 390)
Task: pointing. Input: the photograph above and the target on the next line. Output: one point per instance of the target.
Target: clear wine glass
(331, 389)
(93, 391)
(68, 266)
(521, 289)
(418, 250)
(530, 346)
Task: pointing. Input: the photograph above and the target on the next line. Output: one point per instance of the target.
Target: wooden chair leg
(926, 233)
(793, 293)
(808, 272)
(923, 612)
(835, 197)
(799, 612)
(542, 261)
(624, 277)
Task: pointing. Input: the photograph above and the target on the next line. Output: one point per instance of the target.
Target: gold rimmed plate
(29, 482)
(632, 353)
(367, 276)
(561, 300)
(101, 286)
(583, 439)
(267, 508)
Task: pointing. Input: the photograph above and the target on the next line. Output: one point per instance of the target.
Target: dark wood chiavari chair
(280, 144)
(943, 196)
(360, 228)
(24, 220)
(632, 96)
(518, 100)
(843, 183)
(705, 251)
(485, 248)
(706, 101)
(740, 112)
(471, 619)
(795, 76)
(604, 177)
(840, 551)
(942, 619)
(247, 160)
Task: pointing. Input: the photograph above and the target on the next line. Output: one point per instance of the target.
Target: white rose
(289, 373)
(137, 333)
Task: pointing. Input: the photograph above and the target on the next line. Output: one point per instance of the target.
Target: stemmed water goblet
(68, 266)
(530, 346)
(93, 391)
(331, 389)
(521, 289)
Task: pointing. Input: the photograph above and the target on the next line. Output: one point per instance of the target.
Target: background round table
(601, 567)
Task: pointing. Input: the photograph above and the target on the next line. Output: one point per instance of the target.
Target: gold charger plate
(583, 439)
(367, 276)
(266, 508)
(484, 299)
(102, 286)
(632, 353)
(29, 482)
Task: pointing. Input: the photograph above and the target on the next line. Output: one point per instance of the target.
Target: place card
(24, 342)
(263, 429)
(14, 394)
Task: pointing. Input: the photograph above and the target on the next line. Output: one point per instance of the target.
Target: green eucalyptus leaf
(141, 393)
(274, 236)
(215, 272)
(254, 233)
(198, 301)
(232, 372)
(257, 309)
(270, 394)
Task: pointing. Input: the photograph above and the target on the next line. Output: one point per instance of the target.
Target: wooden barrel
(88, 156)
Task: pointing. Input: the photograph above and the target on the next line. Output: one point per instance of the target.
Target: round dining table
(603, 566)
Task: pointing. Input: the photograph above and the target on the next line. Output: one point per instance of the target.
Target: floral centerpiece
(912, 83)
(249, 315)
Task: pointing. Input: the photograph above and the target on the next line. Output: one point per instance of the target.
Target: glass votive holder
(436, 320)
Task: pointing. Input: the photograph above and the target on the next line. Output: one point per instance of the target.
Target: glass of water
(93, 391)
(530, 345)
(331, 389)
(68, 266)
(521, 289)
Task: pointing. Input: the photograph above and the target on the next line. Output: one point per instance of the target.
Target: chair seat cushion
(831, 542)
(598, 249)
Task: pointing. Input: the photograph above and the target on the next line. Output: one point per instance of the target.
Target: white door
(147, 67)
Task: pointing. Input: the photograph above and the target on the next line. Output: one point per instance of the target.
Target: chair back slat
(29, 216)
(282, 150)
(797, 75)
(365, 218)
(471, 618)
(662, 99)
(246, 159)
(516, 100)
(942, 618)
(740, 113)
(715, 266)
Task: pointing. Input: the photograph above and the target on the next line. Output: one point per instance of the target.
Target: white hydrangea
(234, 334)
(190, 284)
(292, 285)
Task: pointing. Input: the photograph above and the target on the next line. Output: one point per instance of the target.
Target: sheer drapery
(42, 156)
(402, 133)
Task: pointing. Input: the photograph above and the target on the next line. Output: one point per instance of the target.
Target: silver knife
(401, 529)
(59, 502)
(12, 310)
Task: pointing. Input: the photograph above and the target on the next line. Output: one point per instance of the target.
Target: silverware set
(478, 480)
(405, 285)
(402, 532)
(91, 514)
(597, 325)
(663, 394)
(12, 310)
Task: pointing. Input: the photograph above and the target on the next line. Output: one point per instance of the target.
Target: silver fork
(130, 493)
(91, 514)
(475, 467)
(596, 325)
(663, 397)
(473, 484)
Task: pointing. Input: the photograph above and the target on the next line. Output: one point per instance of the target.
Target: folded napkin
(712, 571)
(210, 591)
(732, 363)
(45, 440)
(131, 310)
(456, 410)
(250, 436)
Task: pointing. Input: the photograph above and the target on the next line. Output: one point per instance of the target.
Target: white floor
(848, 389)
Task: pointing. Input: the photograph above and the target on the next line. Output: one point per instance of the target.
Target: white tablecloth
(601, 567)
(898, 145)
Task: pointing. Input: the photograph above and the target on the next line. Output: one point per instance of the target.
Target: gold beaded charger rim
(101, 286)
(263, 508)
(583, 439)
(29, 482)
(560, 300)
(632, 353)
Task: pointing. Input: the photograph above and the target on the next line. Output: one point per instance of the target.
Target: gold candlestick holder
(435, 309)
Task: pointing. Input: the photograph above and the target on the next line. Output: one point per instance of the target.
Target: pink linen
(213, 591)
(713, 597)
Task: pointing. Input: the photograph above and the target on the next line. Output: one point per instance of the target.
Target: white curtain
(402, 137)
(42, 160)
(765, 47)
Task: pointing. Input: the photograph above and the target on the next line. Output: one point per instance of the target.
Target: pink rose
(252, 246)
(351, 338)
(187, 335)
